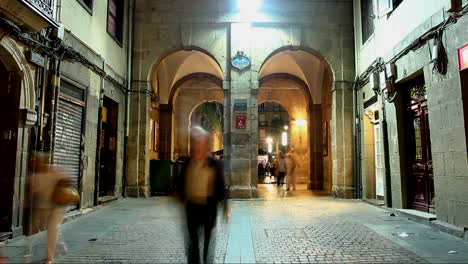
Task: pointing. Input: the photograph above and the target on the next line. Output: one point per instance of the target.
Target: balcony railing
(46, 7)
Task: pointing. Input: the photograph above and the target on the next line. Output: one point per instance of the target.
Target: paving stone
(290, 230)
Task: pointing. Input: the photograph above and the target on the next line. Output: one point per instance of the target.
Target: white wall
(92, 30)
(391, 29)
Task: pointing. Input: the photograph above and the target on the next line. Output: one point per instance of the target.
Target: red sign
(241, 121)
(463, 57)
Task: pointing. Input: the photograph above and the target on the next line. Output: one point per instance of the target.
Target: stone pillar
(138, 156)
(243, 151)
(27, 118)
(342, 140)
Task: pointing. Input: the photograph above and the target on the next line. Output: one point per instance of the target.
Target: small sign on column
(241, 121)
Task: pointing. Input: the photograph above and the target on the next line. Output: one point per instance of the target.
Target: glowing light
(249, 5)
(270, 147)
(269, 140)
(301, 122)
(286, 127)
(463, 57)
(284, 139)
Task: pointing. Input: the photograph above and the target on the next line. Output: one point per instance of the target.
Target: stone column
(342, 140)
(138, 183)
(27, 118)
(243, 147)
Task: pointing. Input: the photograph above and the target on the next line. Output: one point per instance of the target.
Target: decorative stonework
(15, 60)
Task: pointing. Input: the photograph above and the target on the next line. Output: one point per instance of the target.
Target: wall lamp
(301, 122)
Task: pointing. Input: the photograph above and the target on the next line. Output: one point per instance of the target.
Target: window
(115, 16)
(87, 4)
(387, 6)
(367, 19)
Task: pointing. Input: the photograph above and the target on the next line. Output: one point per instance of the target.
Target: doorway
(464, 88)
(9, 101)
(108, 147)
(273, 137)
(420, 176)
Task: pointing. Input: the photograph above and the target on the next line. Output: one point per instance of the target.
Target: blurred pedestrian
(201, 189)
(50, 196)
(261, 171)
(280, 166)
(291, 165)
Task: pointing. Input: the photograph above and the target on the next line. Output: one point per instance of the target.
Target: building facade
(247, 48)
(411, 106)
(63, 92)
(374, 92)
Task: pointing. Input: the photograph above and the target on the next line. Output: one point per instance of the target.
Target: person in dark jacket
(201, 188)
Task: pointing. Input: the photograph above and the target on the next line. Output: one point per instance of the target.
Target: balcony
(44, 7)
(33, 14)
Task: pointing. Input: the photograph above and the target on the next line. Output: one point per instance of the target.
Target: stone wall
(446, 118)
(96, 89)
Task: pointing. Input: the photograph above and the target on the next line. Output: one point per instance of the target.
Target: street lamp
(300, 123)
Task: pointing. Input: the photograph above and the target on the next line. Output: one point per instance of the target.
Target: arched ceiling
(304, 65)
(179, 64)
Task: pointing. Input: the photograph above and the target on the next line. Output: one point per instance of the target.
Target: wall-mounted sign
(36, 58)
(240, 61)
(241, 121)
(463, 57)
(240, 105)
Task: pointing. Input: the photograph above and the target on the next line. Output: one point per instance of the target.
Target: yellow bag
(65, 194)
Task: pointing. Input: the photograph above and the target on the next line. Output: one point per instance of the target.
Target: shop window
(87, 4)
(367, 19)
(115, 18)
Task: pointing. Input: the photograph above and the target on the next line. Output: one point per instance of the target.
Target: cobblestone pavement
(318, 235)
(288, 230)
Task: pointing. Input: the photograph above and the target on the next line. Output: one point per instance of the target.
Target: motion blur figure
(291, 164)
(201, 189)
(47, 214)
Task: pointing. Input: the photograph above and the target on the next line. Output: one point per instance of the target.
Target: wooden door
(421, 177)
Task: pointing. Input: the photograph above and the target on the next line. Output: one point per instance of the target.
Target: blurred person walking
(280, 166)
(291, 165)
(201, 189)
(51, 193)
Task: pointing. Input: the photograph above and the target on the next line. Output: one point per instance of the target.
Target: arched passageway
(301, 80)
(210, 116)
(177, 82)
(191, 94)
(182, 81)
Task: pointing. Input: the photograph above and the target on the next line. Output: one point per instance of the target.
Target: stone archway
(209, 115)
(289, 93)
(12, 56)
(303, 79)
(192, 92)
(154, 110)
(17, 104)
